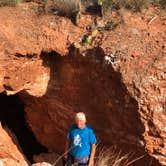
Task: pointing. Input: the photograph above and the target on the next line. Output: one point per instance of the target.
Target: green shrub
(162, 3)
(66, 7)
(69, 8)
(9, 2)
(134, 5)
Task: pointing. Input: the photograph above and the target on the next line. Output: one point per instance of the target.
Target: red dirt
(124, 100)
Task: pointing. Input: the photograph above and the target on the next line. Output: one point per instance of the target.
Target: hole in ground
(12, 116)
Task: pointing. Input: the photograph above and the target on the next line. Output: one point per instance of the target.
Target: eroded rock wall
(139, 55)
(23, 36)
(124, 98)
(84, 84)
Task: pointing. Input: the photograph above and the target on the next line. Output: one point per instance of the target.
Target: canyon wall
(118, 80)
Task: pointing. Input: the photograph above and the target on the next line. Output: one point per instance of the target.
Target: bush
(161, 2)
(69, 8)
(65, 7)
(134, 5)
(9, 2)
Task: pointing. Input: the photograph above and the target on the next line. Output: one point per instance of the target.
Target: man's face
(80, 123)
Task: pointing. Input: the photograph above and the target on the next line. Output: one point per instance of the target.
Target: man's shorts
(83, 161)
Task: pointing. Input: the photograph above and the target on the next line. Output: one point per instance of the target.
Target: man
(80, 143)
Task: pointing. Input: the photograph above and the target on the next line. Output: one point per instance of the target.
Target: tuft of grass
(109, 157)
(113, 157)
(9, 2)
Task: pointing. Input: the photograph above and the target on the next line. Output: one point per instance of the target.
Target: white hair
(80, 116)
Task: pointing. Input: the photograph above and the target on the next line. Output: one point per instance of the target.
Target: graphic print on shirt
(77, 140)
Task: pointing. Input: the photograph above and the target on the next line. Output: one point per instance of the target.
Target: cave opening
(77, 83)
(89, 84)
(12, 118)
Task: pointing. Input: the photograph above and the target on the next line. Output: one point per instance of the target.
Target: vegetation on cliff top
(135, 5)
(9, 2)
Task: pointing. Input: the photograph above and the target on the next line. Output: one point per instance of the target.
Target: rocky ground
(117, 79)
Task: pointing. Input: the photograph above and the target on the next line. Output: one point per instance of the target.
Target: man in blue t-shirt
(80, 143)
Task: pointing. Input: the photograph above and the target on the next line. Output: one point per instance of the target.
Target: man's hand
(91, 163)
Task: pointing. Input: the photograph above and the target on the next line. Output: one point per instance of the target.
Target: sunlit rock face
(10, 153)
(23, 36)
(18, 76)
(139, 56)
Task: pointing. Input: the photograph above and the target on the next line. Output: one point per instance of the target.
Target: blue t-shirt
(81, 140)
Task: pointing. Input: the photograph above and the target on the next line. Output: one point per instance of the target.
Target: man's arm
(92, 155)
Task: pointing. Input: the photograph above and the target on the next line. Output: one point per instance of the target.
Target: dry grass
(113, 157)
(109, 157)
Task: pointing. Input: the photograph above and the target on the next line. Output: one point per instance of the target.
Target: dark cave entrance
(12, 117)
(90, 83)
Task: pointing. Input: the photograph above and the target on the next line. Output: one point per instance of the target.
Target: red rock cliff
(118, 82)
